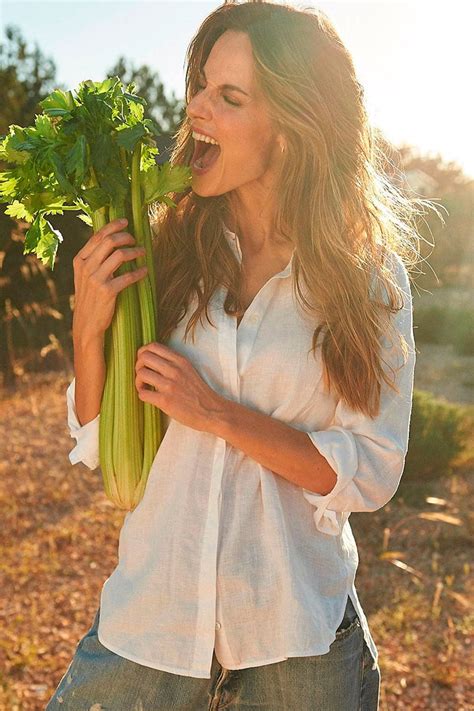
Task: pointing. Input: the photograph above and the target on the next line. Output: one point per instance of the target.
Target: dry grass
(59, 543)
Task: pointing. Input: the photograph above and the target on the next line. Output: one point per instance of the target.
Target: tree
(451, 258)
(28, 295)
(26, 78)
(446, 241)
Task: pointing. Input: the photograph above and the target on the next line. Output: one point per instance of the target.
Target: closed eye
(226, 98)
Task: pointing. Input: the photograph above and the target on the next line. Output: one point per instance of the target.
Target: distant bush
(439, 432)
(463, 332)
(430, 325)
(438, 324)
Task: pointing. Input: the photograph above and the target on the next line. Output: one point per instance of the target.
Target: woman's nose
(198, 107)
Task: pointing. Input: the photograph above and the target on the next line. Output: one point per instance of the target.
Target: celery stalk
(147, 301)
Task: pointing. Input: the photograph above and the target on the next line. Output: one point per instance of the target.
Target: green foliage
(446, 246)
(157, 183)
(443, 325)
(431, 324)
(78, 156)
(167, 112)
(438, 434)
(26, 77)
(43, 239)
(463, 332)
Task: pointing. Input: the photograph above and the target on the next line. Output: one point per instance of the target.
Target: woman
(287, 410)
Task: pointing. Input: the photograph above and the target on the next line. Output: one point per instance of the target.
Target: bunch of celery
(94, 152)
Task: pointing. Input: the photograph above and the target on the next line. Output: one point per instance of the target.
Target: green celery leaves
(77, 156)
(160, 180)
(43, 239)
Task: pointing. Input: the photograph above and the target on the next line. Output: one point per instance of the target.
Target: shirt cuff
(86, 436)
(337, 445)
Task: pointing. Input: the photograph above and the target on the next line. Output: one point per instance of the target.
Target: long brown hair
(335, 206)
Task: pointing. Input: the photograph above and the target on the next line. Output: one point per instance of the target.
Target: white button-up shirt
(222, 553)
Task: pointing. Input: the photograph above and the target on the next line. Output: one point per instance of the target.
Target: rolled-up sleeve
(86, 436)
(368, 454)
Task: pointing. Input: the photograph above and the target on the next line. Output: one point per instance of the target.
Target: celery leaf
(86, 219)
(76, 159)
(18, 211)
(58, 103)
(129, 137)
(96, 198)
(43, 240)
(162, 179)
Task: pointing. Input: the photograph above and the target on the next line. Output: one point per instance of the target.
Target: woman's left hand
(180, 392)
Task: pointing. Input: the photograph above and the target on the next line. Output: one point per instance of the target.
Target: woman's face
(238, 121)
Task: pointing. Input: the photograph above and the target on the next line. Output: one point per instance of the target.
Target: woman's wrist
(84, 342)
(90, 370)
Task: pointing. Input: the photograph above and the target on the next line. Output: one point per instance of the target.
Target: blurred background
(59, 538)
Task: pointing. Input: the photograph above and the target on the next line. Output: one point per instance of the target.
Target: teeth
(206, 139)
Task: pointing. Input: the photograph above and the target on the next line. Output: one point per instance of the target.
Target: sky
(412, 58)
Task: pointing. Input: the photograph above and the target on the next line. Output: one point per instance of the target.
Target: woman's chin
(200, 189)
(204, 187)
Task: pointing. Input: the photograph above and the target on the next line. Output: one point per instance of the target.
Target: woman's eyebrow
(226, 86)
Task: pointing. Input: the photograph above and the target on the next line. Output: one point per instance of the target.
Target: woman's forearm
(283, 449)
(89, 368)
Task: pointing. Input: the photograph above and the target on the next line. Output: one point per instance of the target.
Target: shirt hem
(284, 658)
(153, 665)
(373, 649)
(203, 675)
(261, 663)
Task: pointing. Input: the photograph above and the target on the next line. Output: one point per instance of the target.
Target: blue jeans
(340, 680)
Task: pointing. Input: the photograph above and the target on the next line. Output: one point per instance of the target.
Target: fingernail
(123, 221)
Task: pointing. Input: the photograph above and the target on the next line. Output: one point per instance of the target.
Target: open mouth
(205, 154)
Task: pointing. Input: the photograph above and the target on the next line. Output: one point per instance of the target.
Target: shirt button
(254, 318)
(218, 625)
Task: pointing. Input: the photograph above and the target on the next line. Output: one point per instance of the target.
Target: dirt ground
(59, 535)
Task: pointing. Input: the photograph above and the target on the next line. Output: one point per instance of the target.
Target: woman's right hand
(95, 286)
